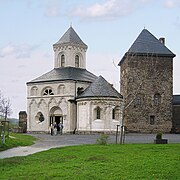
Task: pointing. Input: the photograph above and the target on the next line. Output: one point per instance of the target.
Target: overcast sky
(29, 28)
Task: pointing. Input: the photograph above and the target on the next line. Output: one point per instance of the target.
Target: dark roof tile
(147, 44)
(66, 73)
(100, 88)
(70, 37)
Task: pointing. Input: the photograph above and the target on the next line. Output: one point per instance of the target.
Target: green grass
(16, 139)
(129, 161)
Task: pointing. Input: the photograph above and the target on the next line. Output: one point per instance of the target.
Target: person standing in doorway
(55, 129)
(61, 128)
(51, 129)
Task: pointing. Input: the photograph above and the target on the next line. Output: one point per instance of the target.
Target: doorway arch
(56, 117)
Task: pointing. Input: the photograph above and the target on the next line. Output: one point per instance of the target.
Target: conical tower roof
(147, 44)
(100, 88)
(70, 37)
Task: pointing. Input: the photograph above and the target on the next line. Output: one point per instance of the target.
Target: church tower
(51, 97)
(70, 51)
(147, 85)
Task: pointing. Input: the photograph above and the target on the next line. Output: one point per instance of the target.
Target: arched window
(61, 89)
(34, 91)
(116, 113)
(77, 61)
(48, 91)
(152, 120)
(157, 99)
(62, 60)
(113, 114)
(98, 113)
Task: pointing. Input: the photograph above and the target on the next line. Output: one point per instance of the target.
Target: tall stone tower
(147, 84)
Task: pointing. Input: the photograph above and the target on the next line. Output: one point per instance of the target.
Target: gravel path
(46, 141)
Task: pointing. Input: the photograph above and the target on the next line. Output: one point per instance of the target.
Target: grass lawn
(16, 139)
(87, 162)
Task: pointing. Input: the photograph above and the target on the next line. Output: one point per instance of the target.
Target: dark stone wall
(23, 121)
(143, 77)
(176, 119)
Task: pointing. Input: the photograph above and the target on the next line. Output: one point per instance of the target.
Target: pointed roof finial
(71, 24)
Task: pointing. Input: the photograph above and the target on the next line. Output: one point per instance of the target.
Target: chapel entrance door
(56, 117)
(58, 120)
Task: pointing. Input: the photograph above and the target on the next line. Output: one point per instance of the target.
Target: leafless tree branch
(5, 106)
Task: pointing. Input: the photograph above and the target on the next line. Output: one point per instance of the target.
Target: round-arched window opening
(48, 91)
(97, 112)
(62, 60)
(34, 91)
(77, 61)
(116, 113)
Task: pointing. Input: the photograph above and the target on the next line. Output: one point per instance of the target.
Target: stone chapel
(71, 95)
(84, 103)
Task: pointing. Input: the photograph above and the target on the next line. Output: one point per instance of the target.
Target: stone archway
(56, 116)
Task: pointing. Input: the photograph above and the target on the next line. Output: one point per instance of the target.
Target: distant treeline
(11, 120)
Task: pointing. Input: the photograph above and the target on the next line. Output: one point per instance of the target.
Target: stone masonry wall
(176, 119)
(147, 82)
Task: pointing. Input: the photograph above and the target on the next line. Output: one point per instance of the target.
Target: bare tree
(130, 97)
(125, 106)
(5, 106)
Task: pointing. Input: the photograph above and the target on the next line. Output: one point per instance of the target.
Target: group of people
(56, 129)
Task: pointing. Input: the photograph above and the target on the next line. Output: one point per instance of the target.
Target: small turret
(70, 50)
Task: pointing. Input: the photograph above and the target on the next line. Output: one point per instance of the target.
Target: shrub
(103, 139)
(159, 136)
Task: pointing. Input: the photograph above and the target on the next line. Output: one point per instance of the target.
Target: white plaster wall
(69, 90)
(82, 118)
(98, 125)
(86, 117)
(34, 108)
(39, 103)
(44, 106)
(70, 52)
